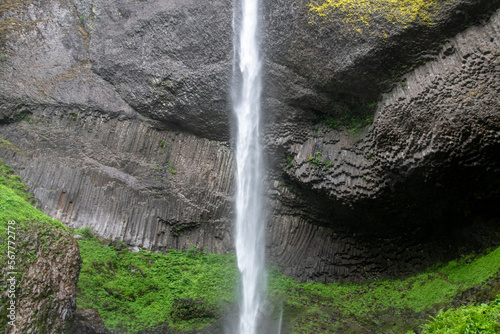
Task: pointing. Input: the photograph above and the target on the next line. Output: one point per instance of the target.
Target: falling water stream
(250, 219)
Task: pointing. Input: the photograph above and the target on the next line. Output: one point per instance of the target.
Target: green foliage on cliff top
(15, 205)
(14, 182)
(359, 13)
(133, 291)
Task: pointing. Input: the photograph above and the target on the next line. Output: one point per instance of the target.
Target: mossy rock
(187, 309)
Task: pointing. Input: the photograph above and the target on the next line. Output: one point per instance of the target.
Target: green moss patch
(133, 291)
(14, 182)
(14, 207)
(483, 318)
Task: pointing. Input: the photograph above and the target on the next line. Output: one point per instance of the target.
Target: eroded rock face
(124, 125)
(170, 61)
(48, 260)
(415, 186)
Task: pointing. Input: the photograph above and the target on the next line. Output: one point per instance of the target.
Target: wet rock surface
(121, 115)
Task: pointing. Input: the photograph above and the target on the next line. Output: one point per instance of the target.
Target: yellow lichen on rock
(359, 13)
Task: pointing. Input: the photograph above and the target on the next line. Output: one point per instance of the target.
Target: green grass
(472, 319)
(14, 206)
(474, 272)
(133, 291)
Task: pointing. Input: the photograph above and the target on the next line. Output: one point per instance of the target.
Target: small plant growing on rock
(85, 232)
(318, 161)
(482, 318)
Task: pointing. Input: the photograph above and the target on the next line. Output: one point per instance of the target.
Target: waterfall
(280, 322)
(250, 219)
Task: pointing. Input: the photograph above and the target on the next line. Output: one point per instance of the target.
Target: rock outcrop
(424, 175)
(120, 112)
(48, 262)
(87, 322)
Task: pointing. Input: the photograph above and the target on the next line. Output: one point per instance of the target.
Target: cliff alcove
(382, 137)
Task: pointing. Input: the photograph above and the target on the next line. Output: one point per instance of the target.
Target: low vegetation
(385, 306)
(12, 181)
(15, 205)
(133, 291)
(191, 289)
(481, 318)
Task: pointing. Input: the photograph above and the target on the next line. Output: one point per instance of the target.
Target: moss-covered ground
(482, 318)
(188, 290)
(133, 291)
(16, 205)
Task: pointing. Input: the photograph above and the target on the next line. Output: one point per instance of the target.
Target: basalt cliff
(381, 126)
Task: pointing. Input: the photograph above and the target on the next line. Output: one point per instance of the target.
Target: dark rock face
(121, 113)
(422, 176)
(170, 61)
(88, 322)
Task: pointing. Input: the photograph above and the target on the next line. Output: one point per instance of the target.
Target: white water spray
(250, 219)
(280, 322)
